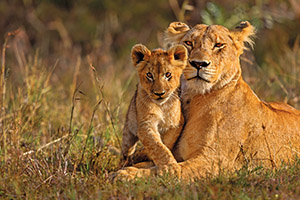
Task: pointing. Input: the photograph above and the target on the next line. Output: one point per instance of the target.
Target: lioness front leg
(156, 150)
(189, 170)
(130, 173)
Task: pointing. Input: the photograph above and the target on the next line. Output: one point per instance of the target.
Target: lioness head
(158, 70)
(213, 52)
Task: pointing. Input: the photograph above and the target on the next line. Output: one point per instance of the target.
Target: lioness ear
(178, 53)
(242, 34)
(139, 53)
(174, 33)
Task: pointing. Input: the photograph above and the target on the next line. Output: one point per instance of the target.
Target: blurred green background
(102, 32)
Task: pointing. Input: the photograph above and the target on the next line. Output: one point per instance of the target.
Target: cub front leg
(156, 150)
(171, 136)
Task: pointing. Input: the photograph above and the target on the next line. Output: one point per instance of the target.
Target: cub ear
(178, 53)
(174, 33)
(243, 33)
(139, 53)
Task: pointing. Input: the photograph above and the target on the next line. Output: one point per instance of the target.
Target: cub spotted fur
(154, 115)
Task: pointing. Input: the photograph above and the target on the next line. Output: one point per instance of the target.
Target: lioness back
(154, 115)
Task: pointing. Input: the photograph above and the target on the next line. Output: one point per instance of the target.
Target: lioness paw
(129, 174)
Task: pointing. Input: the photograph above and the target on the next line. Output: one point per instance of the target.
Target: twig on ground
(46, 145)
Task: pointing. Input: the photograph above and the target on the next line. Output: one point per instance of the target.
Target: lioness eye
(218, 45)
(149, 75)
(168, 75)
(189, 43)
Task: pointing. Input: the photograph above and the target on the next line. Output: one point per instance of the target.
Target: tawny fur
(227, 125)
(154, 115)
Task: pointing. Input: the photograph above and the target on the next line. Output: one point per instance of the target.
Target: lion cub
(154, 115)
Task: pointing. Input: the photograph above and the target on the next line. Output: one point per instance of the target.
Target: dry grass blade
(100, 85)
(50, 74)
(70, 137)
(178, 11)
(69, 141)
(47, 179)
(3, 91)
(113, 125)
(73, 107)
(90, 129)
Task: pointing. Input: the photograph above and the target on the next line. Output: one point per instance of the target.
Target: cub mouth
(160, 100)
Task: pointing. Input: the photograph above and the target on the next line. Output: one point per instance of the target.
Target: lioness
(227, 125)
(154, 115)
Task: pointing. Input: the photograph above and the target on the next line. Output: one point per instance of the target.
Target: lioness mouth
(199, 77)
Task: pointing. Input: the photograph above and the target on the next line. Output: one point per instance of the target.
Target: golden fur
(227, 125)
(154, 115)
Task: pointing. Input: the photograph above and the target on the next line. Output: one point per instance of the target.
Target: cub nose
(199, 64)
(159, 93)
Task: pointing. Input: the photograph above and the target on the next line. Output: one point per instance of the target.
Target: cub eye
(149, 75)
(168, 75)
(218, 45)
(189, 43)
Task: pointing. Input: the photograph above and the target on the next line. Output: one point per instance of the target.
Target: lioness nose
(199, 64)
(159, 93)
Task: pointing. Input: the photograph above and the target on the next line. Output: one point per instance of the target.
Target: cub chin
(154, 115)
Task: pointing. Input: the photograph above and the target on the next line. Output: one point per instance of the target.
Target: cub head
(213, 53)
(159, 71)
